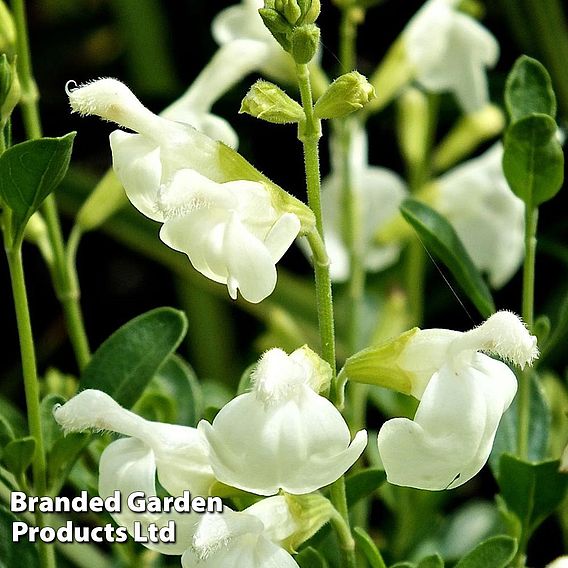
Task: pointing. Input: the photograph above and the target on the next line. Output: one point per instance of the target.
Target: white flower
(250, 538)
(242, 22)
(449, 51)
(463, 394)
(178, 454)
(487, 216)
(228, 226)
(560, 562)
(283, 434)
(379, 195)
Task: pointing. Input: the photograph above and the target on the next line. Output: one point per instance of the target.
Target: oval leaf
(311, 558)
(362, 483)
(367, 546)
(529, 90)
(440, 238)
(22, 554)
(495, 552)
(29, 172)
(432, 561)
(128, 360)
(18, 455)
(533, 161)
(531, 490)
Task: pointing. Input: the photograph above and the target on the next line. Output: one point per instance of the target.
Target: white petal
(279, 524)
(137, 164)
(282, 235)
(299, 445)
(127, 465)
(249, 263)
(454, 428)
(228, 66)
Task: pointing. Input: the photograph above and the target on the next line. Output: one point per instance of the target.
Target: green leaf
(22, 553)
(440, 238)
(368, 547)
(128, 360)
(51, 429)
(433, 561)
(245, 380)
(529, 90)
(531, 490)
(403, 565)
(533, 161)
(6, 433)
(495, 552)
(18, 455)
(62, 457)
(362, 483)
(310, 558)
(29, 172)
(507, 436)
(177, 380)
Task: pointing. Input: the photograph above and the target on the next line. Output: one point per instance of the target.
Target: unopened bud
(9, 89)
(310, 10)
(345, 95)
(413, 125)
(278, 26)
(7, 31)
(289, 9)
(304, 43)
(268, 102)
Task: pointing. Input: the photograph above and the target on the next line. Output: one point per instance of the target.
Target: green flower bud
(310, 512)
(413, 125)
(304, 43)
(470, 131)
(107, 198)
(9, 89)
(36, 232)
(278, 26)
(310, 10)
(7, 31)
(345, 95)
(289, 9)
(268, 102)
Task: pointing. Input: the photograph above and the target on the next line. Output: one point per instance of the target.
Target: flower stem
(31, 387)
(341, 523)
(309, 134)
(64, 280)
(531, 221)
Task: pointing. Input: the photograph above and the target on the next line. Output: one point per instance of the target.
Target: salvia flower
(487, 216)
(177, 454)
(230, 220)
(449, 51)
(379, 193)
(250, 538)
(282, 434)
(463, 394)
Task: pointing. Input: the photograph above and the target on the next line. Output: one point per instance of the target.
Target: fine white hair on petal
(503, 334)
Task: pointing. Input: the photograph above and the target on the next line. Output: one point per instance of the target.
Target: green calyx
(347, 94)
(268, 102)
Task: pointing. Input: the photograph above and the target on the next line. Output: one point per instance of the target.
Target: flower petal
(454, 428)
(137, 164)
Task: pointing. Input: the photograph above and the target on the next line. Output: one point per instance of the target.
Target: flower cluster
(280, 436)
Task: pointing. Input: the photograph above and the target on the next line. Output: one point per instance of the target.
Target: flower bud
(345, 95)
(7, 31)
(413, 125)
(304, 43)
(268, 102)
(310, 10)
(36, 232)
(278, 26)
(107, 198)
(470, 131)
(9, 88)
(289, 9)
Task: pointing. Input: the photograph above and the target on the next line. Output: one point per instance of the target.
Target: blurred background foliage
(158, 48)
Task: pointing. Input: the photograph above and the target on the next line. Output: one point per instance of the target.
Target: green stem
(64, 280)
(531, 221)
(341, 523)
(31, 387)
(309, 134)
